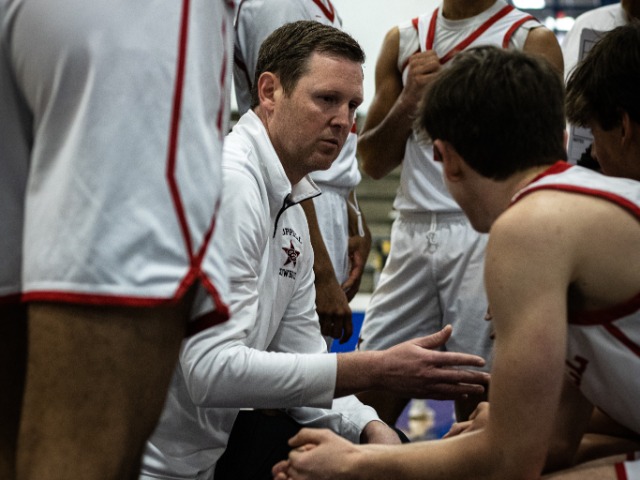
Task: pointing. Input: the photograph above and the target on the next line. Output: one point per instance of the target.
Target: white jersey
(422, 187)
(603, 354)
(587, 29)
(254, 360)
(116, 124)
(601, 19)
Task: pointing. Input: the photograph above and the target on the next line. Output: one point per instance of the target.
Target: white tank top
(603, 347)
(422, 187)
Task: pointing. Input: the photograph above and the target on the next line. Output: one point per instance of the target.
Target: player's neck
(520, 180)
(461, 9)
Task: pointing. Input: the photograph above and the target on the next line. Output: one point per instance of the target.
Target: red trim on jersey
(354, 128)
(131, 301)
(431, 35)
(626, 341)
(10, 299)
(622, 202)
(330, 12)
(606, 315)
(223, 77)
(194, 260)
(414, 22)
(558, 167)
(621, 472)
(514, 27)
(97, 299)
(205, 321)
(175, 128)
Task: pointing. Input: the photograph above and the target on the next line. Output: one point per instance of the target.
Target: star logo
(292, 254)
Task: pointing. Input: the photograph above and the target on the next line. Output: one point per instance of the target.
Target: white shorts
(333, 220)
(432, 277)
(117, 112)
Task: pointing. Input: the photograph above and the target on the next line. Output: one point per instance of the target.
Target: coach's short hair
(607, 81)
(287, 50)
(502, 110)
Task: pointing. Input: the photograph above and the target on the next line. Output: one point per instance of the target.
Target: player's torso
(603, 348)
(421, 185)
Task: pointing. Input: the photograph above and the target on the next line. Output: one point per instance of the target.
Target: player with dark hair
(566, 312)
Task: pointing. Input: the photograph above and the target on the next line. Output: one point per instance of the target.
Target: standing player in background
(433, 274)
(600, 20)
(113, 117)
(341, 240)
(566, 311)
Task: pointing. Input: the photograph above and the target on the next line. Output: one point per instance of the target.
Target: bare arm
(605, 437)
(542, 41)
(332, 305)
(379, 432)
(571, 423)
(412, 368)
(390, 117)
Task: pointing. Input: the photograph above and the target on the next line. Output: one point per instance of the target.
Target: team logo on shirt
(288, 269)
(292, 254)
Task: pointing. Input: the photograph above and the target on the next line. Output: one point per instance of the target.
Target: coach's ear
(451, 160)
(269, 88)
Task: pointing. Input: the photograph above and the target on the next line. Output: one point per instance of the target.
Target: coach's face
(309, 125)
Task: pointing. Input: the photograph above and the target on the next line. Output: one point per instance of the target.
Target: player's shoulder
(557, 210)
(530, 210)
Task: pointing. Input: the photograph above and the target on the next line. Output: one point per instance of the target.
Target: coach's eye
(328, 99)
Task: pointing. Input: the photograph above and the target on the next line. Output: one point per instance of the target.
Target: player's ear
(268, 86)
(627, 131)
(445, 153)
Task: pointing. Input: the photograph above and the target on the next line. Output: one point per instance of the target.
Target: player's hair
(502, 110)
(607, 81)
(287, 50)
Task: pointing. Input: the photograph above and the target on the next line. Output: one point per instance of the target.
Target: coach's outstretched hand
(413, 369)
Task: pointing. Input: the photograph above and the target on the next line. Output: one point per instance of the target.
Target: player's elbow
(367, 157)
(370, 165)
(377, 160)
(561, 456)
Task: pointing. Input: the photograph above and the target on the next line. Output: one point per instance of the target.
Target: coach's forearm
(358, 372)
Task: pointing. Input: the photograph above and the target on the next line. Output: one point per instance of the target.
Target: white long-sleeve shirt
(271, 353)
